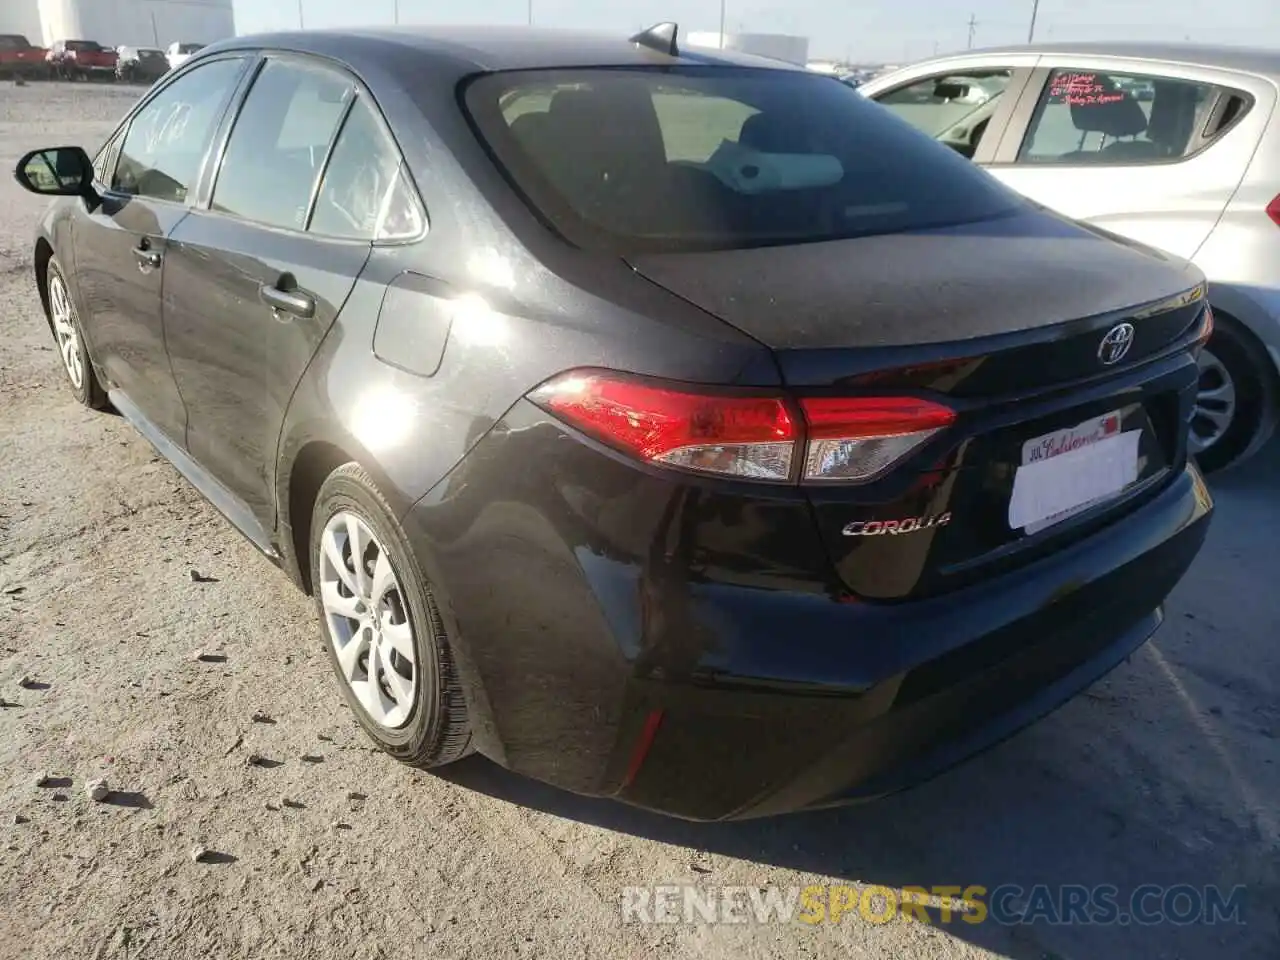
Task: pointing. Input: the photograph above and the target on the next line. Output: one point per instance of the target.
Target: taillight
(1273, 211)
(752, 437)
(710, 433)
(856, 439)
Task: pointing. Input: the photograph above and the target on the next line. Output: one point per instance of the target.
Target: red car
(18, 58)
(81, 60)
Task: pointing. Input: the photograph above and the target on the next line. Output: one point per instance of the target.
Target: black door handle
(147, 258)
(293, 302)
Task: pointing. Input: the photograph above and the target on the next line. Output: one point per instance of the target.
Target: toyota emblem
(1115, 345)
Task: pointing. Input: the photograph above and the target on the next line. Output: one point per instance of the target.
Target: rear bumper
(962, 673)
(772, 700)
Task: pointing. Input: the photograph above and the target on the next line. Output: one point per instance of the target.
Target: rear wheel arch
(313, 464)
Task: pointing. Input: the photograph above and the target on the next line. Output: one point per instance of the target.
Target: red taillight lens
(842, 439)
(751, 437)
(856, 439)
(1273, 211)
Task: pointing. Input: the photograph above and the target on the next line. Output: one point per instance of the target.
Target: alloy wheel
(65, 330)
(1215, 403)
(367, 620)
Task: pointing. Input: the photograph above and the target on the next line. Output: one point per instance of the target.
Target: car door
(260, 271)
(964, 102)
(1153, 152)
(119, 245)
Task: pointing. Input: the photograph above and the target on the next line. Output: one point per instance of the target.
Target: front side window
(713, 158)
(168, 138)
(279, 143)
(955, 108)
(364, 195)
(1090, 117)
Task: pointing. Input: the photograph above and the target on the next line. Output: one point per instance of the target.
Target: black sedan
(667, 425)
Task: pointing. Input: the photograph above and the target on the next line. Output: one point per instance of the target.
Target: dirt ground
(1164, 773)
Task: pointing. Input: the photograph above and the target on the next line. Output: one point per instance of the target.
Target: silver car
(1174, 146)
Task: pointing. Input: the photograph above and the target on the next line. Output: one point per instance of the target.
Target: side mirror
(57, 172)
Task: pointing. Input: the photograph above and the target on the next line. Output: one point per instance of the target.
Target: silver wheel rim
(64, 330)
(367, 621)
(1215, 403)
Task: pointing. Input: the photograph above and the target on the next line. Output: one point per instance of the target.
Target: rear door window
(279, 143)
(707, 158)
(1094, 117)
(364, 194)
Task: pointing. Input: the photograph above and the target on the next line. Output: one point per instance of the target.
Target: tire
(1235, 358)
(431, 728)
(68, 338)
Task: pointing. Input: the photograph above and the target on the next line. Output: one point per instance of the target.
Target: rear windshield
(88, 46)
(190, 47)
(712, 158)
(11, 41)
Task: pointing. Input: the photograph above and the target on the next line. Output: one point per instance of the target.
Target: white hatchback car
(1174, 146)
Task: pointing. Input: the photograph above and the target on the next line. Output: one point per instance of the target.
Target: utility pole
(723, 5)
(1035, 9)
(396, 12)
(301, 24)
(973, 27)
(531, 13)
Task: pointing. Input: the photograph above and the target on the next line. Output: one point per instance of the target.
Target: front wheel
(69, 337)
(1236, 401)
(380, 624)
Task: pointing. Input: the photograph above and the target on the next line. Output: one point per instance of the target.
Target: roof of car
(1246, 59)
(484, 49)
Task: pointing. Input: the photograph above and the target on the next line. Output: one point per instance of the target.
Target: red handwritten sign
(1082, 90)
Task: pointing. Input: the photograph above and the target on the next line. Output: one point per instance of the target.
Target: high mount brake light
(835, 439)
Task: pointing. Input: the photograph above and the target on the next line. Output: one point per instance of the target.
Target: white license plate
(1068, 471)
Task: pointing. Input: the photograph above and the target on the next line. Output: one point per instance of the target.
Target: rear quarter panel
(1242, 256)
(1173, 206)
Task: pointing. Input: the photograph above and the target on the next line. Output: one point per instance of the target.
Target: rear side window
(363, 195)
(167, 139)
(709, 157)
(1090, 117)
(279, 143)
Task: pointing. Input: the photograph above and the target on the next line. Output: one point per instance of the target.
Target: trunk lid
(1058, 428)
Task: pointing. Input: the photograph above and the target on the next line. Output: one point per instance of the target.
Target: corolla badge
(878, 528)
(1115, 345)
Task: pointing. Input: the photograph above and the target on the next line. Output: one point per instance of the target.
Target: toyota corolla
(666, 425)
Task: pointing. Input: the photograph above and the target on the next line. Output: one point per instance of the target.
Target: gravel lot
(1164, 773)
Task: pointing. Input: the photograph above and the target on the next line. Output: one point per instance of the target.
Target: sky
(863, 30)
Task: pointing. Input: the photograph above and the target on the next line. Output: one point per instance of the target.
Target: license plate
(1069, 471)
